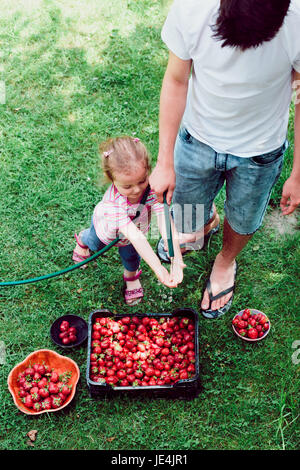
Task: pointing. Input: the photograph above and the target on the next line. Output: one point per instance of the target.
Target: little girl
(125, 163)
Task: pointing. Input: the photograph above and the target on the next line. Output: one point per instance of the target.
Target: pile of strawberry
(42, 388)
(142, 351)
(251, 325)
(68, 334)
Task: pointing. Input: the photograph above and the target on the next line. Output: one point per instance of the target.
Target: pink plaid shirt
(114, 211)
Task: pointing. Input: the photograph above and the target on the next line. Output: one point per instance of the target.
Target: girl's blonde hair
(123, 155)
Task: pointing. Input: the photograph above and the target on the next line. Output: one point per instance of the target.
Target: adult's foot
(222, 277)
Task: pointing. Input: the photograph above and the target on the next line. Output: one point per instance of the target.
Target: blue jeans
(128, 254)
(201, 173)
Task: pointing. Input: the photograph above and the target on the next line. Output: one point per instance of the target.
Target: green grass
(75, 74)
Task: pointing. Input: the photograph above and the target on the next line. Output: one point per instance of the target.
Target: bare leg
(192, 237)
(222, 275)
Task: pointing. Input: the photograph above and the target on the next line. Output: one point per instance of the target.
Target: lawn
(76, 73)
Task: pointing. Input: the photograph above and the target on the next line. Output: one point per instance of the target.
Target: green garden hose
(77, 265)
(63, 271)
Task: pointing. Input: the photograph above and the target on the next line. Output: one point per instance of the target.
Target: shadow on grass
(59, 109)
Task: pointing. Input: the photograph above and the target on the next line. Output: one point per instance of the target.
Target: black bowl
(74, 320)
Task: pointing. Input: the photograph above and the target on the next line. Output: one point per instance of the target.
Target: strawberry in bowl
(69, 331)
(44, 381)
(251, 325)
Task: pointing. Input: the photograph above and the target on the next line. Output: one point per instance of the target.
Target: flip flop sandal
(213, 314)
(76, 256)
(193, 246)
(132, 296)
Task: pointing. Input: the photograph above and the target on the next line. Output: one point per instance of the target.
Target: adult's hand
(290, 195)
(163, 179)
(291, 188)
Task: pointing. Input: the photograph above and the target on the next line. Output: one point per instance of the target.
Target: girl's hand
(177, 271)
(164, 277)
(175, 277)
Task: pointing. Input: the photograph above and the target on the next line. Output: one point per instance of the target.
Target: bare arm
(172, 106)
(291, 188)
(144, 249)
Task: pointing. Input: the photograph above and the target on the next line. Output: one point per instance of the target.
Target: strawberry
(43, 392)
(263, 319)
(242, 324)
(252, 333)
(64, 326)
(66, 390)
(46, 404)
(37, 406)
(242, 332)
(28, 401)
(56, 401)
(53, 388)
(54, 377)
(29, 371)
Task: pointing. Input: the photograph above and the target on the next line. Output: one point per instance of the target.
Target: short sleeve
(291, 28)
(296, 64)
(296, 61)
(172, 32)
(296, 45)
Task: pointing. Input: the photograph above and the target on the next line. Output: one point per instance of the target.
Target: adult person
(228, 88)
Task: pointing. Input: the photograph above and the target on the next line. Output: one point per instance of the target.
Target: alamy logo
(296, 354)
(296, 87)
(2, 83)
(187, 219)
(2, 353)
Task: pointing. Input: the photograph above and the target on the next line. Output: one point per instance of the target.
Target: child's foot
(132, 290)
(81, 252)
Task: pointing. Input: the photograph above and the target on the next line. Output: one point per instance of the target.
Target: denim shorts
(128, 254)
(201, 173)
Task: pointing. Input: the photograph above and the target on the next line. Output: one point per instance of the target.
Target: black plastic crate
(183, 389)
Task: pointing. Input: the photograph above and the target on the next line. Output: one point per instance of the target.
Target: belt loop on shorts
(220, 161)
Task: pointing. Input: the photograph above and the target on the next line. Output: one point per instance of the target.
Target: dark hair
(249, 23)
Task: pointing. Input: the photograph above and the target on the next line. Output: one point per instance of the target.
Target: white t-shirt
(238, 102)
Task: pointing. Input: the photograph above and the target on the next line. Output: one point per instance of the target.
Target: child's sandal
(132, 296)
(78, 257)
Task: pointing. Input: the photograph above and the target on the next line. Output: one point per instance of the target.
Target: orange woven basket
(55, 361)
